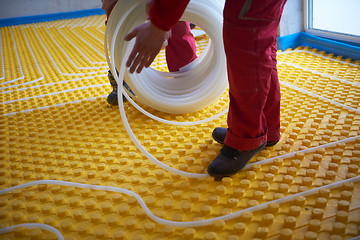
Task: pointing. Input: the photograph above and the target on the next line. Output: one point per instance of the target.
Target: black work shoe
(219, 134)
(230, 161)
(112, 99)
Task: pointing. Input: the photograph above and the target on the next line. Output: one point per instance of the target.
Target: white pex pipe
(33, 225)
(191, 89)
(159, 220)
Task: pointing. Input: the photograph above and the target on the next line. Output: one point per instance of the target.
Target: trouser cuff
(244, 144)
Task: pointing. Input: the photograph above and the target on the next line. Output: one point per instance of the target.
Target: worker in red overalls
(180, 51)
(250, 36)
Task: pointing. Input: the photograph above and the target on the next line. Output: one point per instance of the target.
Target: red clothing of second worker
(181, 48)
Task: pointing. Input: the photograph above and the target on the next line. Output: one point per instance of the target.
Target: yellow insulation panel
(56, 125)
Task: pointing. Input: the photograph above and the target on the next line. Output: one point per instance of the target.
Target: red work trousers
(250, 34)
(181, 48)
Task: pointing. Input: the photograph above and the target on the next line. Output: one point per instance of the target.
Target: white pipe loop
(171, 223)
(194, 87)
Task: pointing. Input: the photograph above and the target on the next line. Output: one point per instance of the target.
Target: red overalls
(249, 34)
(181, 48)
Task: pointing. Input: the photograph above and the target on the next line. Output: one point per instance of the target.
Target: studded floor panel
(56, 125)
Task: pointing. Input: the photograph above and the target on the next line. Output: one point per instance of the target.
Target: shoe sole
(270, 144)
(219, 177)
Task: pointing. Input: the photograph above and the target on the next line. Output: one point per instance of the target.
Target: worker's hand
(149, 40)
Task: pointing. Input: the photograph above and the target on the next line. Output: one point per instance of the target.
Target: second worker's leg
(181, 49)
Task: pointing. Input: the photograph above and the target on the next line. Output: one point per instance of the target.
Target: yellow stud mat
(56, 124)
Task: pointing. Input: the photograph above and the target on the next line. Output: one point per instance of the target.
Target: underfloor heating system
(69, 170)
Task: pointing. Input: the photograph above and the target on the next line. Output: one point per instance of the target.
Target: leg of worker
(249, 39)
(250, 31)
(181, 49)
(112, 99)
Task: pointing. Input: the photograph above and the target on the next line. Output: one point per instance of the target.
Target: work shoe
(112, 99)
(219, 134)
(230, 161)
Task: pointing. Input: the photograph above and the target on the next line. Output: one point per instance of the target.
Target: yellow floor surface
(55, 124)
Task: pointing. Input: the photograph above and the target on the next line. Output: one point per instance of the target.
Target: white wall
(20, 8)
(292, 20)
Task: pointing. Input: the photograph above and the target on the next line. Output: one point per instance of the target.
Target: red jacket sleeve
(166, 13)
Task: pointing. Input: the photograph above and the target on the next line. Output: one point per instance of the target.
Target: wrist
(158, 24)
(155, 27)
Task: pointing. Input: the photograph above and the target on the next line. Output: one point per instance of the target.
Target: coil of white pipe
(181, 92)
(193, 88)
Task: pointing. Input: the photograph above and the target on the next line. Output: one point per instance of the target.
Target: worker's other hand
(149, 40)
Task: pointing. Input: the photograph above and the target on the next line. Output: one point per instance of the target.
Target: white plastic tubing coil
(193, 88)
